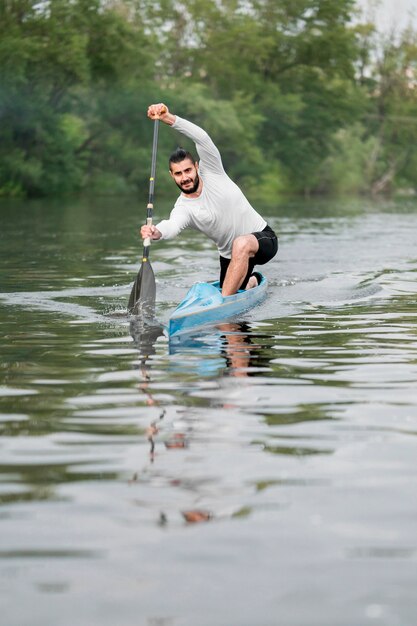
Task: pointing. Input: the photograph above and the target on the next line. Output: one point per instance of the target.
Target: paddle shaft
(149, 208)
(143, 290)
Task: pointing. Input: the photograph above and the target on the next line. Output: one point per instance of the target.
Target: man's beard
(192, 189)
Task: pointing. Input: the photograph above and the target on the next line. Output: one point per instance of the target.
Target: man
(212, 203)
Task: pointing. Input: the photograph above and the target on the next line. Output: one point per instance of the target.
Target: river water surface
(261, 473)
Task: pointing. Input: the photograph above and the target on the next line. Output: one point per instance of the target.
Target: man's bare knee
(245, 246)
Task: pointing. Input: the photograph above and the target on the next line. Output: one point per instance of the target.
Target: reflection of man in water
(236, 348)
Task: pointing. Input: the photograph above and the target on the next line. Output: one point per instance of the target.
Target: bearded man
(213, 204)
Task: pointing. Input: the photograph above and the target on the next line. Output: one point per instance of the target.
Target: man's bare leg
(252, 282)
(244, 248)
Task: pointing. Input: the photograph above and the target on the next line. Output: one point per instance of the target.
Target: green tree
(298, 97)
(60, 64)
(392, 114)
(291, 62)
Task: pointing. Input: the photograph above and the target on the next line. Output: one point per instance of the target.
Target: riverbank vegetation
(301, 96)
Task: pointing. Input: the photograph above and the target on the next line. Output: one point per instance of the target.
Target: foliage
(392, 119)
(299, 97)
(348, 168)
(60, 63)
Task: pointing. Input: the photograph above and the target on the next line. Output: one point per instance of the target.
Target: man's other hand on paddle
(150, 231)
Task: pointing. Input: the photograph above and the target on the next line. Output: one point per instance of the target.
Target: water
(286, 438)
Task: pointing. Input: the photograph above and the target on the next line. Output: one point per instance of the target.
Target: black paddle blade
(142, 297)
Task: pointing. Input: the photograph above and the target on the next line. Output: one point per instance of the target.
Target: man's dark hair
(179, 155)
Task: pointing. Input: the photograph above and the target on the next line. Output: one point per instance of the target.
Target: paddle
(142, 297)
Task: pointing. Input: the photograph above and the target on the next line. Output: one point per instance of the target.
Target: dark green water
(292, 429)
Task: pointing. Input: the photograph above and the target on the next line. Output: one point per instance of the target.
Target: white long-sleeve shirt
(221, 212)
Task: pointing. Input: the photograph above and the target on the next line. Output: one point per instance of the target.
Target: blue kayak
(204, 304)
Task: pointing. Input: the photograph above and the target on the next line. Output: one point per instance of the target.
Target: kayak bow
(204, 304)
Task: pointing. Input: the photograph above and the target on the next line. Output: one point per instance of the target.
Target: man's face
(185, 175)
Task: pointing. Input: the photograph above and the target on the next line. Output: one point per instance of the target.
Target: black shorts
(268, 247)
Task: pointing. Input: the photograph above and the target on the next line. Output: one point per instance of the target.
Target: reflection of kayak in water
(204, 304)
(226, 346)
